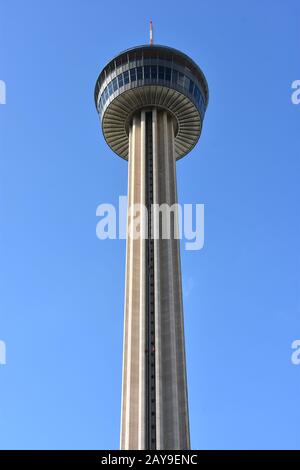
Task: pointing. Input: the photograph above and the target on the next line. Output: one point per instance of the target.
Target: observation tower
(151, 102)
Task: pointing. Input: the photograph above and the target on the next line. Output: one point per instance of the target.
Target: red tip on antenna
(151, 33)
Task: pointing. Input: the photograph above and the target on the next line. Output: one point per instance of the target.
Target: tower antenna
(151, 33)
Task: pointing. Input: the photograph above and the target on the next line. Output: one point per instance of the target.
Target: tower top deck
(151, 76)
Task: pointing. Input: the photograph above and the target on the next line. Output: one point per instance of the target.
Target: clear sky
(62, 289)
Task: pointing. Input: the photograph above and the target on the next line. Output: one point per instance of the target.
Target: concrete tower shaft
(154, 398)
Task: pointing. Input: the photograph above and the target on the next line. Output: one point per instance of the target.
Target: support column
(154, 395)
(133, 388)
(172, 422)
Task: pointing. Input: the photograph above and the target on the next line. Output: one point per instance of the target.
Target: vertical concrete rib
(157, 296)
(143, 281)
(172, 407)
(124, 402)
(180, 338)
(132, 411)
(172, 275)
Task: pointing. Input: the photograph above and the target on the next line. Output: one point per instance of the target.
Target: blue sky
(62, 290)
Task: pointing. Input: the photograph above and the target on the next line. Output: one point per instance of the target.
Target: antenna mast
(151, 33)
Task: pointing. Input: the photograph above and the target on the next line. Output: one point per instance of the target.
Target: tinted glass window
(147, 71)
(174, 76)
(161, 72)
(180, 79)
(115, 84)
(202, 103)
(168, 74)
(186, 82)
(110, 88)
(126, 77)
(191, 86)
(153, 71)
(120, 80)
(139, 72)
(133, 75)
(196, 93)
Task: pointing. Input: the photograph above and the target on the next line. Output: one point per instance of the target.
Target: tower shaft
(154, 393)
